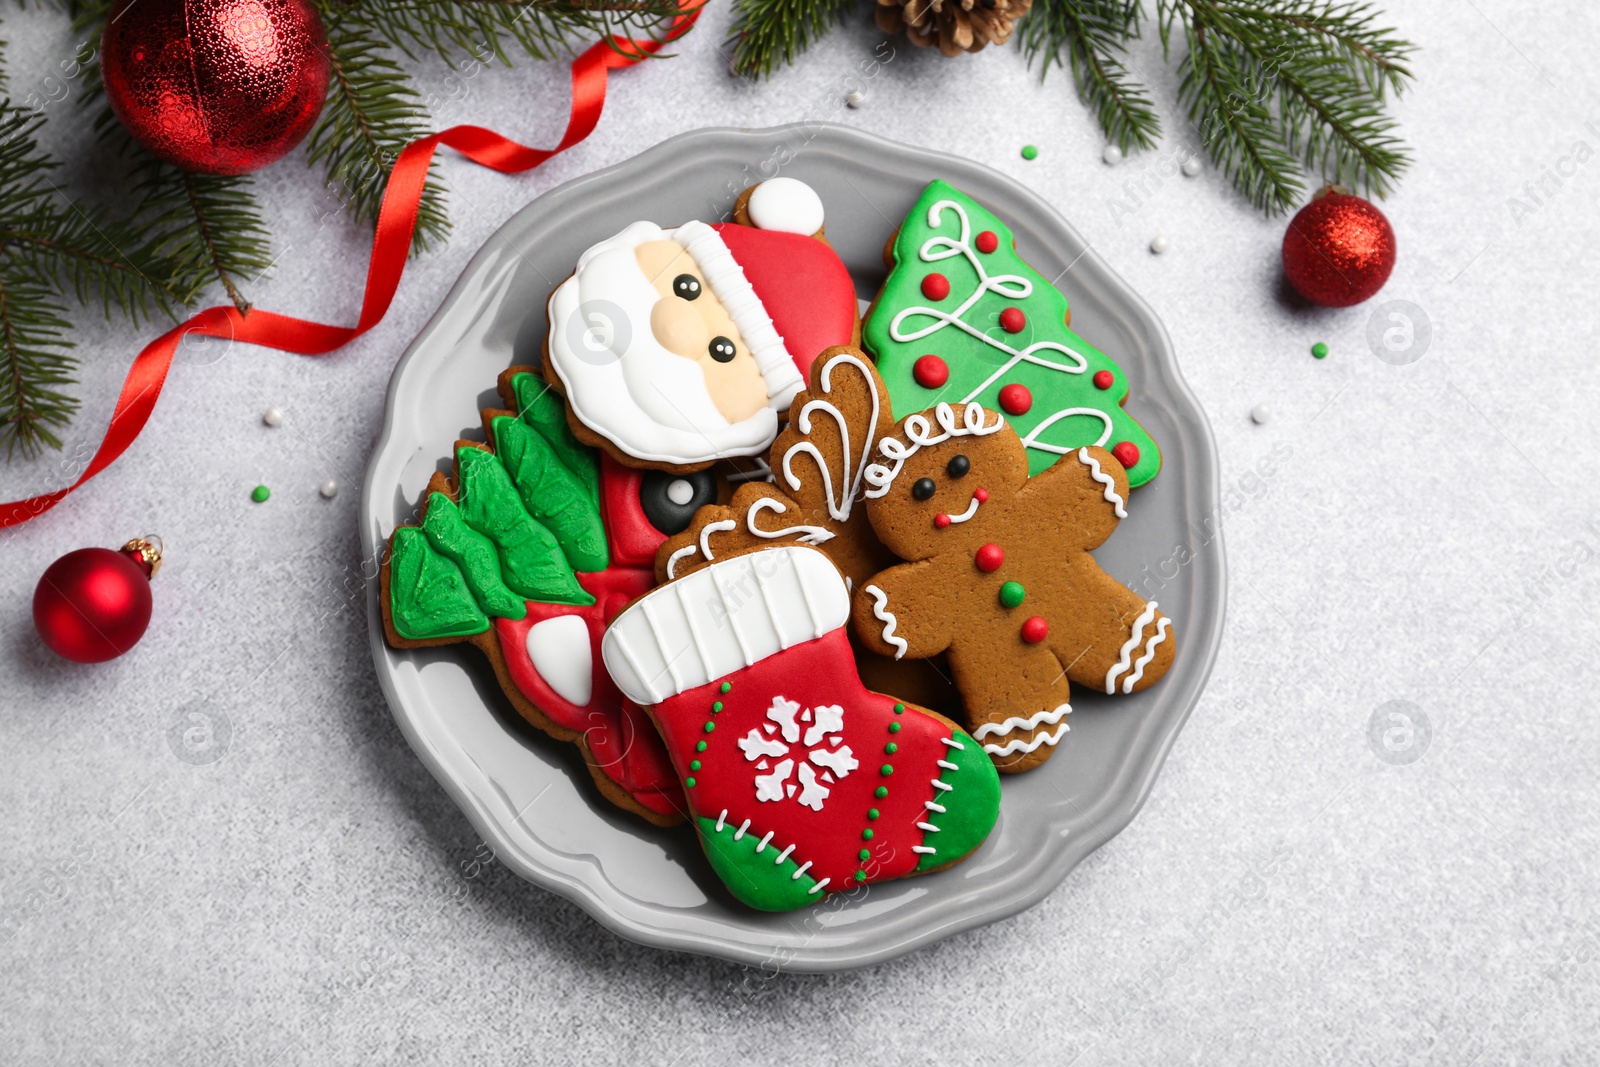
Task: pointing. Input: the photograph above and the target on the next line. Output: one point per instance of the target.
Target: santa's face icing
(690, 321)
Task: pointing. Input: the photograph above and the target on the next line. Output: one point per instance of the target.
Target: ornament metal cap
(148, 549)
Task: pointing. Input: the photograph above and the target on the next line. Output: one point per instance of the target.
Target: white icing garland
(1017, 744)
(1149, 654)
(1112, 496)
(921, 434)
(1017, 722)
(1125, 659)
(880, 605)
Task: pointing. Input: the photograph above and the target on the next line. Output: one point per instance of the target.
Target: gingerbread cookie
(1001, 578)
(679, 347)
(800, 781)
(963, 319)
(527, 553)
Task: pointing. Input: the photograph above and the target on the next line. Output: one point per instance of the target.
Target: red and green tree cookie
(962, 318)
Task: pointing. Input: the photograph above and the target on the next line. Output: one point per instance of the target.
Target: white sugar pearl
(1112, 155)
(679, 491)
(856, 98)
(1260, 414)
(1158, 245)
(273, 417)
(329, 489)
(1191, 166)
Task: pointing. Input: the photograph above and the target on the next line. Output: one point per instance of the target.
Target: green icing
(971, 806)
(755, 880)
(531, 562)
(542, 409)
(474, 553)
(552, 493)
(428, 597)
(976, 347)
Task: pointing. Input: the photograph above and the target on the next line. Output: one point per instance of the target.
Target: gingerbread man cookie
(1001, 578)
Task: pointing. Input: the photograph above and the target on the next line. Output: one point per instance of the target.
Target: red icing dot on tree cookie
(987, 242)
(1035, 630)
(1012, 320)
(1127, 453)
(930, 372)
(1015, 399)
(989, 558)
(1103, 379)
(935, 286)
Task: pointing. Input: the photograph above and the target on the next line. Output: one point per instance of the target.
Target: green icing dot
(866, 835)
(886, 770)
(694, 765)
(1029, 152)
(891, 748)
(872, 813)
(898, 708)
(881, 792)
(894, 728)
(725, 687)
(689, 782)
(260, 493)
(699, 746)
(861, 876)
(1012, 594)
(716, 706)
(1319, 350)
(864, 855)
(710, 726)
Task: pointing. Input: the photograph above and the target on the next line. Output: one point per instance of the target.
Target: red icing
(803, 285)
(987, 242)
(935, 286)
(1015, 399)
(1127, 453)
(989, 558)
(1103, 379)
(1035, 630)
(930, 372)
(981, 495)
(633, 540)
(1012, 320)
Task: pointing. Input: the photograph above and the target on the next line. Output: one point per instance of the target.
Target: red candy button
(935, 286)
(1015, 399)
(1103, 379)
(989, 558)
(1012, 320)
(1127, 453)
(987, 242)
(1035, 630)
(981, 495)
(930, 372)
(941, 520)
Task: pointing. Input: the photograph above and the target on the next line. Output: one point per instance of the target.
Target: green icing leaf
(755, 880)
(531, 562)
(428, 597)
(971, 807)
(1056, 366)
(541, 408)
(474, 554)
(552, 493)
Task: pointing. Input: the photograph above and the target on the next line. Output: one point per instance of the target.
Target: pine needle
(767, 34)
(1090, 36)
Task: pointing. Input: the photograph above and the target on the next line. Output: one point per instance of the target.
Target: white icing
(1112, 496)
(940, 785)
(1126, 656)
(972, 509)
(926, 850)
(921, 434)
(1017, 744)
(672, 560)
(802, 870)
(680, 491)
(947, 765)
(1016, 722)
(854, 464)
(928, 826)
(710, 528)
(1067, 413)
(786, 204)
(1149, 654)
(818, 887)
(881, 612)
(559, 649)
(953, 743)
(810, 535)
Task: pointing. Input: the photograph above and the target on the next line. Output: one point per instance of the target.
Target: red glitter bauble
(93, 604)
(216, 86)
(1338, 250)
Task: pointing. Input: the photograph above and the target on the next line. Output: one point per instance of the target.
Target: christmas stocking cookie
(679, 347)
(1001, 577)
(800, 781)
(963, 319)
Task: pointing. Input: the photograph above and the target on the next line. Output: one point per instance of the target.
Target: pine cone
(956, 26)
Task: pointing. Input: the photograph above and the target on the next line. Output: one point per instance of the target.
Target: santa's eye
(923, 488)
(721, 349)
(686, 286)
(670, 500)
(958, 466)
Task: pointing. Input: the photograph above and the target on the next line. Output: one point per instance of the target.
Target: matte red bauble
(1338, 250)
(216, 86)
(94, 604)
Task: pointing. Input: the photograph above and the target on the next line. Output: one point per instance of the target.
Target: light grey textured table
(1426, 533)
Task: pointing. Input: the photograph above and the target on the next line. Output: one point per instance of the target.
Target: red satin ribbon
(397, 218)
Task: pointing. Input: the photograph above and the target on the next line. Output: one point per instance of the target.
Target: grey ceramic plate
(531, 797)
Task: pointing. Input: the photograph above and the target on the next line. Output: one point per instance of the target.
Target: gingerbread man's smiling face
(689, 321)
(951, 496)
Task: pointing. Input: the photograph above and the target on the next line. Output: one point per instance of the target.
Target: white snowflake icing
(823, 742)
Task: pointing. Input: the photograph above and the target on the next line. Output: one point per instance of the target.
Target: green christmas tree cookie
(962, 318)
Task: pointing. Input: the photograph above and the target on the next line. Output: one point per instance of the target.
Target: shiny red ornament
(1338, 250)
(94, 604)
(216, 86)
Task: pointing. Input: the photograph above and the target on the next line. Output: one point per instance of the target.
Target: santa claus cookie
(1001, 578)
(800, 781)
(963, 319)
(527, 552)
(679, 347)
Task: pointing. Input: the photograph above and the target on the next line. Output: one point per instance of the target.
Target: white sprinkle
(1158, 244)
(329, 489)
(856, 98)
(273, 417)
(1112, 155)
(1260, 414)
(1191, 166)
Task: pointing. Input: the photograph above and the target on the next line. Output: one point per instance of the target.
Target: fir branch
(767, 34)
(1089, 37)
(35, 361)
(481, 29)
